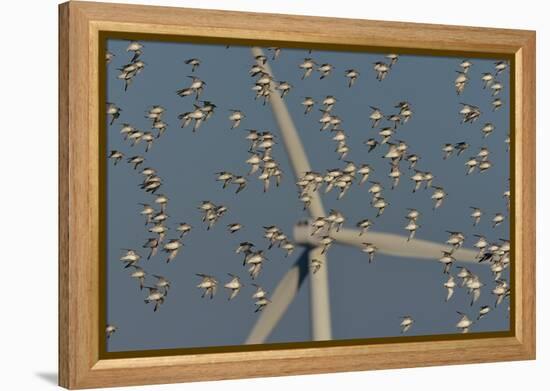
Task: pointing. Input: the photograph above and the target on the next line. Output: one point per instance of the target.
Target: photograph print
(284, 196)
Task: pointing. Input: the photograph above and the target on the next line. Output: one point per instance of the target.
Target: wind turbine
(288, 287)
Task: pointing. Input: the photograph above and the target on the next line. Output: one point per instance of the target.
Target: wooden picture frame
(80, 25)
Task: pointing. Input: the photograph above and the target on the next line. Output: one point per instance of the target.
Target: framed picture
(248, 195)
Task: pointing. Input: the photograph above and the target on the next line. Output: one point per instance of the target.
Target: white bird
(284, 87)
(260, 295)
(206, 206)
(370, 249)
(450, 285)
(386, 134)
(260, 292)
(196, 115)
(496, 87)
(234, 227)
(464, 274)
(395, 174)
(428, 178)
(466, 65)
(316, 265)
(500, 291)
(236, 116)
(329, 102)
(376, 116)
(162, 283)
(139, 274)
(194, 62)
(372, 143)
(484, 310)
(209, 284)
(325, 70)
(487, 79)
(460, 82)
(474, 285)
(276, 52)
(261, 303)
(135, 47)
(470, 113)
(393, 57)
(254, 161)
(261, 58)
(447, 260)
(364, 226)
(113, 111)
(307, 66)
(471, 164)
(225, 177)
(172, 247)
(325, 120)
(308, 103)
(381, 70)
(411, 226)
(110, 330)
(288, 247)
(380, 204)
(438, 196)
(500, 66)
(335, 219)
(464, 323)
(197, 85)
(131, 257)
(155, 296)
(405, 111)
(476, 214)
(447, 150)
(116, 156)
(318, 224)
(255, 260)
(418, 178)
(326, 241)
(162, 200)
(375, 189)
(487, 129)
(497, 268)
(412, 159)
(148, 212)
(234, 286)
(160, 230)
(498, 219)
(461, 147)
(109, 56)
(126, 130)
(413, 214)
(352, 75)
(406, 323)
(244, 247)
(456, 239)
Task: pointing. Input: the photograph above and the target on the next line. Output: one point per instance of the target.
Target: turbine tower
(288, 287)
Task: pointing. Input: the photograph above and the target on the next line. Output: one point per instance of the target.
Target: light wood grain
(80, 23)
(64, 353)
(78, 242)
(525, 195)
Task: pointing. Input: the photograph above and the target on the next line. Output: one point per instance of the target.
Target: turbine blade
(281, 298)
(298, 160)
(387, 243)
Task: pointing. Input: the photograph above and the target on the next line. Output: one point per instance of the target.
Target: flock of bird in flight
(262, 162)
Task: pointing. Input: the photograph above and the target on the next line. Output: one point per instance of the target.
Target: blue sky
(367, 299)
